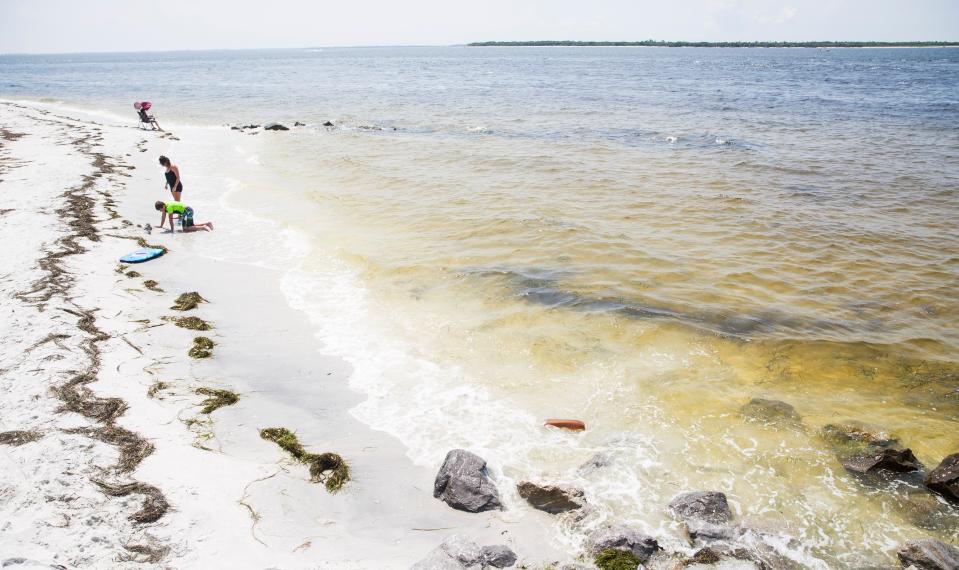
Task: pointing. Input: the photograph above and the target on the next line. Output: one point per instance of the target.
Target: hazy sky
(131, 25)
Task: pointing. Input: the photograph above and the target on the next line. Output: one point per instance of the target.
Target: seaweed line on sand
(327, 468)
(216, 399)
(78, 213)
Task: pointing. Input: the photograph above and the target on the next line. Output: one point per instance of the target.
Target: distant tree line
(659, 43)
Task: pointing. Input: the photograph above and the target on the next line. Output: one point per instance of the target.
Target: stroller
(146, 120)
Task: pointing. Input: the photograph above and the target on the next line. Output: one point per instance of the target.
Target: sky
(60, 26)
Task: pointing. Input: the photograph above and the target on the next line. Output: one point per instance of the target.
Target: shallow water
(643, 239)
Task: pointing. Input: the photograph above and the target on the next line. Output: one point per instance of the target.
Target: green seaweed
(187, 301)
(612, 559)
(202, 347)
(216, 399)
(192, 323)
(328, 468)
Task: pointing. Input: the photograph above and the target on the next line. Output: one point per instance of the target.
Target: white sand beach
(117, 466)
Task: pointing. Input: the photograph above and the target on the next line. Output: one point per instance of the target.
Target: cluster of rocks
(464, 483)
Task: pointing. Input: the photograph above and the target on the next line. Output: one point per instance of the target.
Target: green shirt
(175, 208)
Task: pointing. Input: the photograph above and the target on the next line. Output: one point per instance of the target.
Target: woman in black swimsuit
(172, 178)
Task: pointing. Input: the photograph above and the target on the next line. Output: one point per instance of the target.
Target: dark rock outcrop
(597, 461)
(464, 483)
(276, 127)
(299, 124)
(868, 450)
(773, 412)
(460, 553)
(553, 499)
(944, 479)
(618, 537)
(928, 554)
(328, 124)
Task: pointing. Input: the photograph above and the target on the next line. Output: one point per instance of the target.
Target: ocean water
(644, 239)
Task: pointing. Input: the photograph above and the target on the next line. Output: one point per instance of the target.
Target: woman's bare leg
(176, 195)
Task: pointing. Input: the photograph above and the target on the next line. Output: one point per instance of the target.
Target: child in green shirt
(185, 214)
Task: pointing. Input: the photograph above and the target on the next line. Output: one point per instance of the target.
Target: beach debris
(464, 483)
(771, 412)
(553, 499)
(944, 479)
(152, 285)
(202, 348)
(121, 268)
(17, 438)
(187, 301)
(623, 539)
(144, 553)
(154, 504)
(928, 554)
(216, 399)
(156, 388)
(867, 450)
(573, 425)
(329, 124)
(18, 563)
(275, 127)
(133, 274)
(148, 228)
(299, 124)
(133, 448)
(458, 552)
(192, 323)
(327, 468)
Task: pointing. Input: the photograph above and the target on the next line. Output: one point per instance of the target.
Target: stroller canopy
(145, 105)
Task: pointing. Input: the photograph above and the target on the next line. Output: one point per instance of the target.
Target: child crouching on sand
(186, 216)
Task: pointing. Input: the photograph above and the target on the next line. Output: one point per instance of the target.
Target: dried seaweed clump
(156, 388)
(17, 437)
(133, 274)
(154, 505)
(187, 301)
(152, 285)
(327, 468)
(192, 323)
(133, 448)
(216, 399)
(202, 347)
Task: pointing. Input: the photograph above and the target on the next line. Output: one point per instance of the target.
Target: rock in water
(928, 554)
(553, 499)
(945, 478)
(276, 127)
(868, 450)
(771, 412)
(619, 537)
(328, 124)
(460, 553)
(464, 484)
(705, 506)
(597, 461)
(299, 124)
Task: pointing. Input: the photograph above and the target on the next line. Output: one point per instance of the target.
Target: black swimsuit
(170, 178)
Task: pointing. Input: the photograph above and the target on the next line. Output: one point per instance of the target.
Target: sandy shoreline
(203, 490)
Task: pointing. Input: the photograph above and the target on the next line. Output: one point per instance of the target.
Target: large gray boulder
(928, 554)
(553, 499)
(464, 483)
(619, 537)
(460, 553)
(945, 478)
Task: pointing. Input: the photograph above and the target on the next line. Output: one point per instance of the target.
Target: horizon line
(486, 43)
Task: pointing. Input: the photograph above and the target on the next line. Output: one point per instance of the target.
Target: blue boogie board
(141, 255)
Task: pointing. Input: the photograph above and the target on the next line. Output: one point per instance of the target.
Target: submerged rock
(944, 479)
(771, 412)
(928, 554)
(618, 537)
(868, 450)
(276, 127)
(458, 552)
(597, 461)
(328, 124)
(299, 124)
(464, 483)
(553, 499)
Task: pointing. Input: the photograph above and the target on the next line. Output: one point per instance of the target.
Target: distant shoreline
(654, 43)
